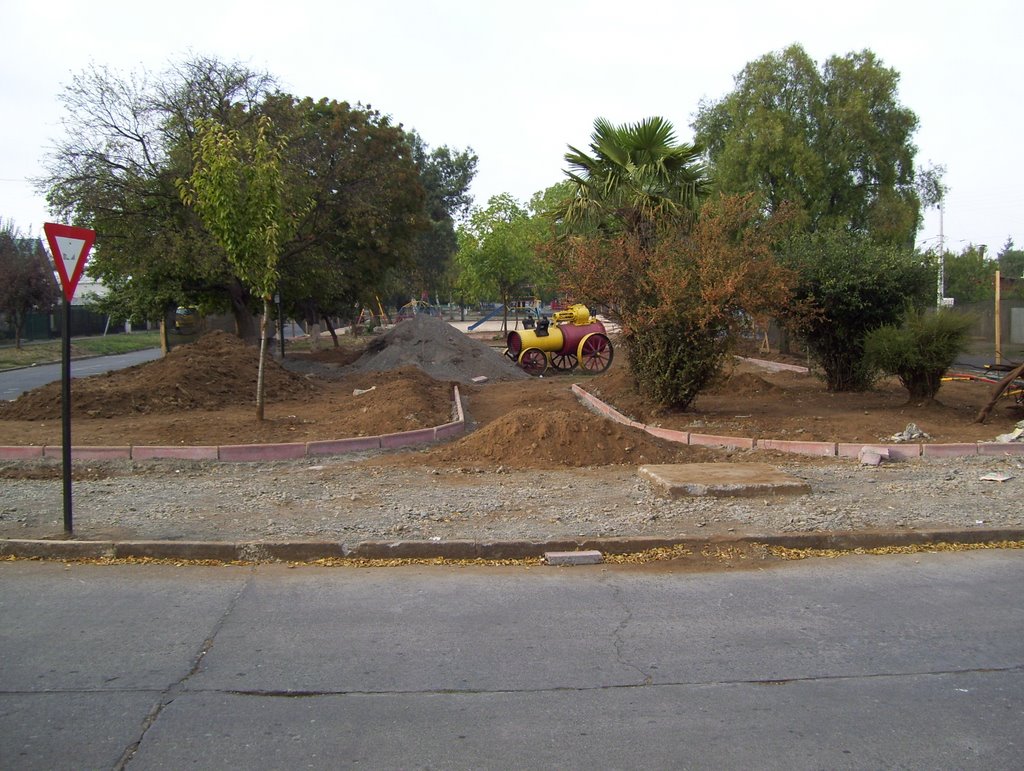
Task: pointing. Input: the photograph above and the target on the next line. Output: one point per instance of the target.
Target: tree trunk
(263, 358)
(334, 335)
(314, 336)
(245, 321)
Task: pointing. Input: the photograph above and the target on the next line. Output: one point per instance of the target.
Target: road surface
(862, 662)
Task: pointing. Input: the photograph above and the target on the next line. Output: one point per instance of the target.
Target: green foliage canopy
(848, 286)
(834, 142)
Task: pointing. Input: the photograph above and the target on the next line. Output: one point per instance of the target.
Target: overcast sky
(519, 81)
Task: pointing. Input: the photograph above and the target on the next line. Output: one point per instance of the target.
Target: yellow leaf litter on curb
(662, 554)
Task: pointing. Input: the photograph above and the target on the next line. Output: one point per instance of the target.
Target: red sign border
(53, 232)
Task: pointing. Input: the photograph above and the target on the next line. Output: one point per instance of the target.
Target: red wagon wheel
(595, 353)
(564, 362)
(534, 361)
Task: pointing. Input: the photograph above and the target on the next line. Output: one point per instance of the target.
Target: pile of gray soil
(437, 348)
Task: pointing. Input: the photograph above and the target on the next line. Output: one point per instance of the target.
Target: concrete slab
(723, 479)
(588, 557)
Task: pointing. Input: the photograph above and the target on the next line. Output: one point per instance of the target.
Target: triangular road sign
(70, 247)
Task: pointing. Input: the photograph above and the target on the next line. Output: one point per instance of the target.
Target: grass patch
(49, 351)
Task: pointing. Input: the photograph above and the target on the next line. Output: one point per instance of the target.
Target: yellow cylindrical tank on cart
(575, 337)
(528, 338)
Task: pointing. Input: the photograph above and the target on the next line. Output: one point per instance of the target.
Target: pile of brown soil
(573, 437)
(218, 370)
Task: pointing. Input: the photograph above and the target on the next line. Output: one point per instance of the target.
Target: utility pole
(942, 258)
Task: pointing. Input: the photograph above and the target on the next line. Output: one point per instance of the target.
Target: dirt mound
(218, 370)
(437, 348)
(387, 402)
(526, 438)
(744, 384)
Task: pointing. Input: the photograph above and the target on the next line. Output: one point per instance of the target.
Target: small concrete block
(342, 446)
(479, 379)
(591, 557)
(873, 456)
(89, 453)
(895, 451)
(407, 438)
(723, 480)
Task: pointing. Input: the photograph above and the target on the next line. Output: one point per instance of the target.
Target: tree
(969, 275)
(238, 190)
(367, 207)
(637, 177)
(835, 143)
(1011, 261)
(28, 283)
(847, 286)
(498, 251)
(683, 298)
(445, 176)
(127, 139)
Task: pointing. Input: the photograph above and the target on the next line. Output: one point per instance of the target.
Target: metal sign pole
(65, 411)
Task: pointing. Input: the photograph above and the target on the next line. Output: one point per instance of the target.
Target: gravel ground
(356, 499)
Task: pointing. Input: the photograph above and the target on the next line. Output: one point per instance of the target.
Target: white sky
(519, 81)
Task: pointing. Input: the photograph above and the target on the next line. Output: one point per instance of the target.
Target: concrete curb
(310, 551)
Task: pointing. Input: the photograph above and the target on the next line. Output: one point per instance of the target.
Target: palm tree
(636, 177)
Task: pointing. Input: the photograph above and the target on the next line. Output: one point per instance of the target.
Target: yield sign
(70, 247)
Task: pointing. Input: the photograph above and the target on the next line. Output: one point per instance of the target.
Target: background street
(862, 662)
(15, 382)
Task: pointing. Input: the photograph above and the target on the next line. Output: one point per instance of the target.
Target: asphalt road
(863, 662)
(15, 382)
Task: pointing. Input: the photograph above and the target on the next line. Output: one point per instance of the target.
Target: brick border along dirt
(450, 430)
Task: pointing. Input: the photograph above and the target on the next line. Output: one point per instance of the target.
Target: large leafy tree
(835, 142)
(1011, 264)
(126, 140)
(28, 283)
(366, 211)
(129, 138)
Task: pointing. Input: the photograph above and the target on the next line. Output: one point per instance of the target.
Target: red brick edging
(821, 449)
(254, 452)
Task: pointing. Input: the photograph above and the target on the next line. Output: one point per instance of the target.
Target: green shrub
(673, 361)
(847, 287)
(920, 351)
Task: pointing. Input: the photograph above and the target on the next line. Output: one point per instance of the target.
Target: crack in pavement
(170, 693)
(305, 694)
